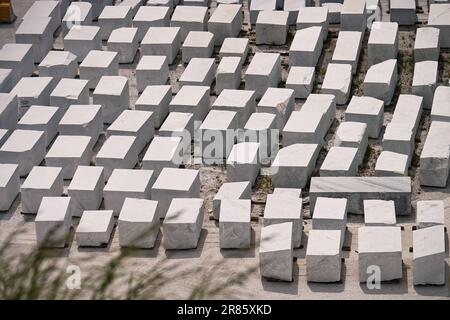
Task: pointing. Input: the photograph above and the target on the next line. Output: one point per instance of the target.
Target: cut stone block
(77, 14)
(440, 110)
(33, 91)
(241, 101)
(199, 72)
(292, 7)
(357, 189)
(6, 80)
(353, 16)
(348, 47)
(256, 6)
(380, 80)
(305, 127)
(124, 41)
(8, 111)
(165, 41)
(151, 16)
(37, 31)
(41, 182)
(25, 148)
(163, 152)
(424, 81)
(243, 162)
(134, 4)
(399, 138)
(230, 190)
(313, 17)
(340, 161)
(45, 9)
(235, 47)
(260, 128)
(192, 99)
(408, 111)
(183, 223)
(263, 72)
(226, 21)
(95, 228)
(59, 64)
(189, 18)
(278, 101)
(53, 221)
(291, 192)
(426, 44)
(306, 47)
(138, 223)
(323, 256)
(284, 208)
(325, 103)
(379, 213)
(354, 135)
(367, 110)
(68, 92)
(99, 63)
(338, 81)
(152, 70)
(383, 42)
(430, 213)
(175, 183)
(41, 118)
(301, 80)
(217, 136)
(391, 164)
(155, 99)
(272, 27)
(403, 12)
(127, 183)
(134, 123)
(293, 165)
(179, 124)
(439, 17)
(381, 247)
(198, 44)
(113, 17)
(234, 223)
(82, 39)
(330, 214)
(113, 94)
(434, 159)
(276, 251)
(86, 189)
(9, 184)
(228, 74)
(429, 256)
(19, 58)
(82, 120)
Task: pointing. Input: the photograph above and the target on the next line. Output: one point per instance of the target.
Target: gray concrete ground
(208, 251)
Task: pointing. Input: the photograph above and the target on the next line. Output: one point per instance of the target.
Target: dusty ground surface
(208, 251)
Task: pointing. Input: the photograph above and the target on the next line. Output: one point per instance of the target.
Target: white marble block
(340, 161)
(112, 93)
(314, 17)
(9, 184)
(124, 41)
(189, 18)
(59, 64)
(234, 224)
(323, 256)
(325, 103)
(353, 135)
(156, 99)
(175, 183)
(399, 138)
(430, 213)
(440, 109)
(82, 39)
(391, 164)
(426, 44)
(330, 214)
(68, 92)
(408, 111)
(241, 101)
(381, 247)
(293, 7)
(348, 48)
(306, 47)
(137, 123)
(183, 223)
(439, 17)
(261, 128)
(338, 81)
(276, 251)
(230, 190)
(428, 264)
(82, 120)
(127, 183)
(367, 110)
(113, 17)
(256, 6)
(9, 113)
(263, 72)
(380, 80)
(243, 162)
(151, 16)
(383, 42)
(301, 80)
(272, 27)
(285, 208)
(152, 70)
(228, 74)
(98, 63)
(19, 58)
(292, 192)
(86, 188)
(278, 101)
(164, 41)
(41, 118)
(192, 99)
(25, 148)
(138, 223)
(45, 9)
(163, 152)
(95, 228)
(293, 165)
(198, 44)
(425, 81)
(38, 32)
(305, 127)
(199, 72)
(235, 47)
(53, 221)
(353, 15)
(379, 213)
(179, 124)
(403, 12)
(225, 22)
(41, 182)
(77, 14)
(33, 91)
